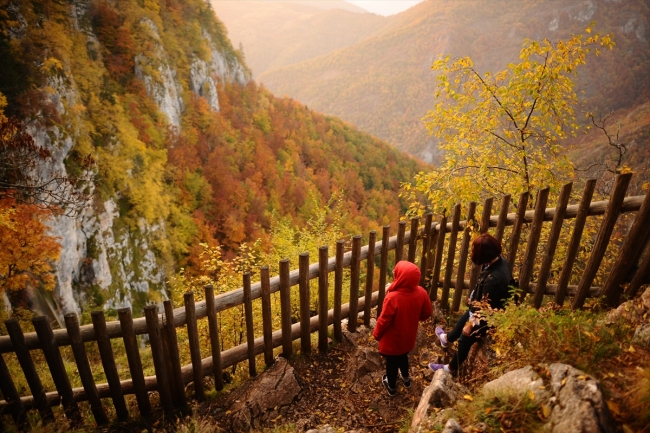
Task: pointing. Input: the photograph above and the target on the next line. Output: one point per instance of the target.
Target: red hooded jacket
(405, 304)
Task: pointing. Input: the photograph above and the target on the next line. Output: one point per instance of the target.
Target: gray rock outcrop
(265, 396)
(519, 381)
(442, 392)
(452, 426)
(579, 405)
(642, 335)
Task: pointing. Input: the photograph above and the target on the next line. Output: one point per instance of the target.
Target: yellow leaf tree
(501, 132)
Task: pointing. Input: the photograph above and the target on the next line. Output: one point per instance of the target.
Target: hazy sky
(385, 7)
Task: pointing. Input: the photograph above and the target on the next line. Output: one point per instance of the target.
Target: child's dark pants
(394, 363)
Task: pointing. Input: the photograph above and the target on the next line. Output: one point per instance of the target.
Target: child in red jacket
(406, 304)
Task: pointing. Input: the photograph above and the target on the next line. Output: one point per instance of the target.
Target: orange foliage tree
(27, 251)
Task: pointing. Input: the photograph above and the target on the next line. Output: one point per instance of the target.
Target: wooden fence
(424, 245)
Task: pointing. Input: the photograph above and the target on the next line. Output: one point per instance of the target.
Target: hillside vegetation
(187, 149)
(274, 34)
(384, 83)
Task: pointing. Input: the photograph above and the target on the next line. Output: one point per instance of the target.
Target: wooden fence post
(285, 308)
(462, 264)
(413, 238)
(108, 363)
(533, 240)
(195, 345)
(250, 329)
(83, 367)
(629, 254)
(323, 286)
(426, 245)
(27, 364)
(10, 393)
(215, 344)
(163, 378)
(451, 253)
(522, 205)
(57, 369)
(383, 268)
(370, 274)
(640, 277)
(135, 363)
(574, 243)
(267, 324)
(483, 228)
(602, 238)
(551, 244)
(399, 247)
(174, 359)
(503, 216)
(305, 303)
(338, 289)
(355, 266)
(435, 276)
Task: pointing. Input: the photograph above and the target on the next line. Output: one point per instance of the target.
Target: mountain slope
(188, 149)
(384, 84)
(279, 33)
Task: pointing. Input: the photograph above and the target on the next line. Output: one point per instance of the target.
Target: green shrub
(526, 336)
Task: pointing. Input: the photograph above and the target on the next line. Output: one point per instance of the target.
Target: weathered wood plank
(528, 262)
(503, 217)
(285, 308)
(83, 368)
(462, 264)
(108, 363)
(483, 228)
(383, 267)
(551, 244)
(370, 274)
(435, 276)
(629, 254)
(305, 303)
(520, 217)
(426, 244)
(574, 243)
(399, 246)
(174, 359)
(640, 277)
(195, 345)
(413, 239)
(163, 377)
(57, 369)
(135, 363)
(602, 238)
(213, 329)
(12, 401)
(267, 319)
(323, 287)
(250, 329)
(451, 254)
(338, 289)
(355, 273)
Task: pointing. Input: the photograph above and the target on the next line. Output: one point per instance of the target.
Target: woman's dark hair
(485, 248)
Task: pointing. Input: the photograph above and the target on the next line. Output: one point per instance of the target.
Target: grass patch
(584, 339)
(498, 412)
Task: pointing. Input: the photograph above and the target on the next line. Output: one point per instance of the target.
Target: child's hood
(406, 276)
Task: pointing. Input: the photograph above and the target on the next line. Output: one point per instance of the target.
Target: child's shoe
(389, 390)
(442, 336)
(406, 380)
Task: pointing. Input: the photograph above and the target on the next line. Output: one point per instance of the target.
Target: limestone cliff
(115, 253)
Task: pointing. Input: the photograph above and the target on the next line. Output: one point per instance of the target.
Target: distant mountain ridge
(383, 83)
(274, 34)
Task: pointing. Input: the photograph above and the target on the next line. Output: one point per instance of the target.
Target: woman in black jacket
(492, 287)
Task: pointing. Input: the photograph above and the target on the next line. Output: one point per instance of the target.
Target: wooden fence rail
(429, 238)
